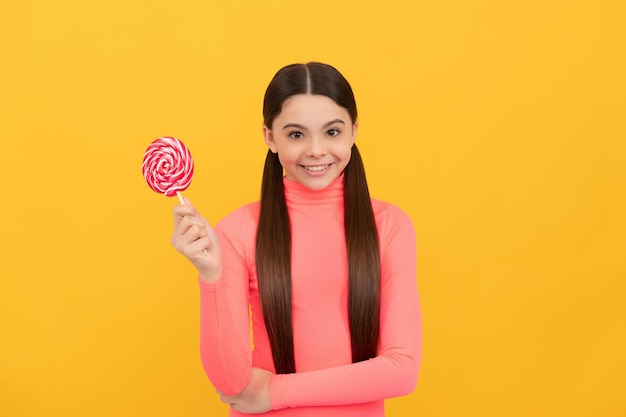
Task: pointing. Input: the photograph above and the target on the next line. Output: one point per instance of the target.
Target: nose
(316, 147)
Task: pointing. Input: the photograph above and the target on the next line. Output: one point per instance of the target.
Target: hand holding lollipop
(168, 169)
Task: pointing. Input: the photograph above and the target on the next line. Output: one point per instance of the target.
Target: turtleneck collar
(299, 194)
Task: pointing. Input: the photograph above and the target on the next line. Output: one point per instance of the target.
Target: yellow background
(497, 125)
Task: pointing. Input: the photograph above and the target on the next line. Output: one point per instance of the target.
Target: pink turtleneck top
(327, 383)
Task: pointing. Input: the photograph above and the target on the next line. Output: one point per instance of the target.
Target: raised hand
(195, 238)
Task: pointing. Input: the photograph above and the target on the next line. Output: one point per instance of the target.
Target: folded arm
(392, 373)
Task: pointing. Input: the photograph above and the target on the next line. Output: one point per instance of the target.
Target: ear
(269, 139)
(355, 128)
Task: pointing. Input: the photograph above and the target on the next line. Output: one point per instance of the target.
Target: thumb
(188, 203)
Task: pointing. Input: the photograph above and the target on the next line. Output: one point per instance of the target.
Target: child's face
(313, 137)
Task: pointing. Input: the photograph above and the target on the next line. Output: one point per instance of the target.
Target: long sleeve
(394, 371)
(326, 382)
(225, 345)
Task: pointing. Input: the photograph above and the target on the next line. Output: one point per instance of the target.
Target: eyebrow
(299, 126)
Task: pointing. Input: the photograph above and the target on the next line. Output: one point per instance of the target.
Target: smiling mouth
(316, 168)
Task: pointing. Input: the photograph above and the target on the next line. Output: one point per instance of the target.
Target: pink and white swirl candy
(167, 166)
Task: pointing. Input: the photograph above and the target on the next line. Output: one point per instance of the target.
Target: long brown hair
(273, 240)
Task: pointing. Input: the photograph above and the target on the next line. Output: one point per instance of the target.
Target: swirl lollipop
(167, 167)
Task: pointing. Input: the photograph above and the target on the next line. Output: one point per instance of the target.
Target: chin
(317, 184)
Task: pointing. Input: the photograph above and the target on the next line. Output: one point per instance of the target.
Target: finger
(184, 214)
(181, 212)
(199, 248)
(186, 209)
(192, 244)
(194, 210)
(187, 223)
(227, 399)
(188, 234)
(193, 233)
(197, 227)
(210, 231)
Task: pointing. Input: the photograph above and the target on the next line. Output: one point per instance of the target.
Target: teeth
(316, 168)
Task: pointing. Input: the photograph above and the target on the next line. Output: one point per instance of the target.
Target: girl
(322, 274)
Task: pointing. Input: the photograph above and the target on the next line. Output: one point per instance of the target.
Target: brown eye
(296, 135)
(333, 132)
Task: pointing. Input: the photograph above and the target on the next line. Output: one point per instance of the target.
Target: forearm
(224, 350)
(225, 345)
(392, 373)
(379, 378)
